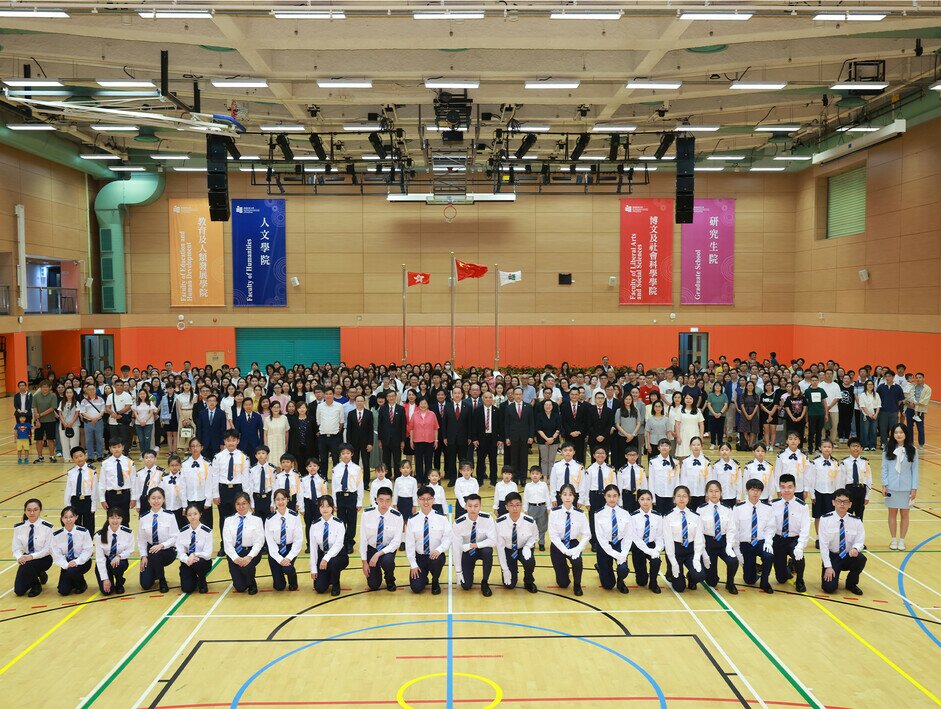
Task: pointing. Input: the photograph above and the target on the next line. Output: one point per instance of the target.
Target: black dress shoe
(203, 586)
(855, 590)
(622, 587)
(119, 589)
(220, 553)
(655, 588)
(578, 591)
(43, 578)
(767, 589)
(531, 587)
(542, 547)
(390, 587)
(164, 587)
(485, 590)
(34, 591)
(292, 586)
(335, 591)
(730, 587)
(82, 588)
(252, 590)
(692, 585)
(800, 586)
(435, 588)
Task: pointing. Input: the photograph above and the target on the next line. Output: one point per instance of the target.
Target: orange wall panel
(919, 351)
(63, 350)
(140, 346)
(15, 360)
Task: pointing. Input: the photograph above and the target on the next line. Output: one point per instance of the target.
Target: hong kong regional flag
(418, 279)
(468, 270)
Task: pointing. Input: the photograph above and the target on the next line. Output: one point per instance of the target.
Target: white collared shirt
(294, 532)
(439, 534)
(393, 526)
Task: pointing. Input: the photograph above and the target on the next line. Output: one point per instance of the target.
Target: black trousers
(596, 503)
(261, 505)
(243, 577)
(120, 432)
(606, 568)
(346, 513)
(114, 575)
(561, 564)
(784, 548)
(750, 554)
(629, 501)
(715, 548)
(469, 560)
(227, 495)
(857, 495)
(331, 576)
(815, 426)
(516, 455)
(455, 452)
(529, 567)
(487, 453)
(282, 575)
(85, 509)
(206, 514)
(426, 566)
(156, 567)
(663, 505)
(392, 456)
(684, 558)
(385, 567)
(646, 568)
(121, 500)
(27, 575)
(852, 565)
(424, 456)
(190, 576)
(361, 458)
(328, 446)
(73, 579)
(578, 443)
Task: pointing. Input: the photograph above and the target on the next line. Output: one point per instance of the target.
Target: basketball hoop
(450, 212)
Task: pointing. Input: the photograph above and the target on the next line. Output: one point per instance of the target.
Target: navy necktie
(114, 545)
(70, 549)
(78, 483)
(231, 475)
(31, 541)
(283, 545)
(473, 537)
(514, 540)
(120, 473)
(238, 536)
(193, 542)
(427, 538)
(633, 479)
(646, 529)
(566, 479)
(346, 478)
(717, 522)
(786, 521)
(600, 478)
(326, 537)
(754, 525)
(567, 536)
(843, 551)
(684, 528)
(380, 531)
(855, 473)
(614, 526)
(153, 529)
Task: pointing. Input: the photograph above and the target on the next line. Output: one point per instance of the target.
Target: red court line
(444, 657)
(485, 700)
(876, 600)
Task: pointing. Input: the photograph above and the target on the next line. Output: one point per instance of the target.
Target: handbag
(186, 432)
(69, 432)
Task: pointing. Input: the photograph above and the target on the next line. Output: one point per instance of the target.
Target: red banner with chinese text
(646, 251)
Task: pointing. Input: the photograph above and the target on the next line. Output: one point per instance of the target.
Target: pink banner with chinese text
(707, 254)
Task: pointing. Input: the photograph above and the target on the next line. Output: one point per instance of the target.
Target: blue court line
(901, 581)
(656, 687)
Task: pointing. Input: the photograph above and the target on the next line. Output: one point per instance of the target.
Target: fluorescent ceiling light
(306, 157)
(169, 156)
(176, 14)
(34, 14)
(361, 126)
(370, 157)
(553, 84)
(708, 169)
(30, 126)
(527, 156)
(793, 157)
(587, 15)
(646, 157)
(758, 85)
(345, 83)
(591, 157)
(855, 85)
(246, 157)
(189, 169)
(451, 84)
(46, 92)
(720, 16)
(428, 196)
(36, 83)
(848, 17)
(578, 168)
(240, 83)
(312, 168)
(442, 129)
(99, 156)
(107, 128)
(726, 157)
(248, 169)
(449, 168)
(648, 84)
(126, 84)
(858, 129)
(935, 86)
(126, 168)
(282, 129)
(449, 15)
(696, 129)
(650, 169)
(309, 15)
(525, 128)
(780, 128)
(613, 129)
(767, 169)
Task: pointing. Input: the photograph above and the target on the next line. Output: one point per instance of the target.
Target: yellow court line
(38, 641)
(876, 652)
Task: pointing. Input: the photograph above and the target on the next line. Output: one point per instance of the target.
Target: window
(846, 203)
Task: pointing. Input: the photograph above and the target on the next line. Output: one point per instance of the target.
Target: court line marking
(179, 651)
(8, 592)
(876, 652)
(761, 702)
(450, 661)
(905, 599)
(902, 571)
(901, 583)
(495, 702)
(801, 688)
(132, 653)
(42, 638)
(410, 614)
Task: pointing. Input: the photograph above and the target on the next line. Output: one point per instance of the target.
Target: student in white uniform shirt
(466, 485)
(328, 556)
(516, 537)
(598, 476)
(648, 541)
(81, 488)
(726, 471)
(32, 550)
(287, 478)
(174, 487)
(719, 533)
(569, 534)
(502, 489)
(156, 539)
(858, 476)
(405, 490)
(663, 472)
(313, 487)
(792, 461)
(824, 477)
(194, 551)
(243, 536)
(568, 471)
(695, 472)
(196, 481)
(613, 537)
(842, 540)
(473, 538)
(285, 535)
(427, 539)
(434, 482)
(791, 532)
(260, 484)
(114, 482)
(754, 531)
(536, 503)
(380, 534)
(381, 480)
(71, 549)
(631, 478)
(146, 478)
(229, 477)
(347, 486)
(114, 544)
(684, 543)
(761, 470)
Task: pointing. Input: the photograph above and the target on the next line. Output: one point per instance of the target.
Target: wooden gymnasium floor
(702, 648)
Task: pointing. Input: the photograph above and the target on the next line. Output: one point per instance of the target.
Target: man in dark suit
(600, 424)
(359, 434)
(439, 406)
(473, 403)
(574, 415)
(456, 426)
(486, 426)
(251, 428)
(391, 432)
(212, 428)
(198, 409)
(519, 429)
(23, 401)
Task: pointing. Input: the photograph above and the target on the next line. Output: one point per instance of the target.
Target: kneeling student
(754, 525)
(613, 536)
(791, 531)
(71, 552)
(156, 539)
(684, 542)
(194, 550)
(569, 534)
(842, 538)
(516, 536)
(284, 533)
(32, 550)
(113, 545)
(472, 540)
(243, 537)
(719, 531)
(647, 536)
(427, 538)
(328, 555)
(381, 529)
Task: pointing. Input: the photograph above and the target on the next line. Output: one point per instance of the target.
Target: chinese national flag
(418, 279)
(468, 270)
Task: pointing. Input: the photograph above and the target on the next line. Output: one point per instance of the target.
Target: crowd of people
(287, 456)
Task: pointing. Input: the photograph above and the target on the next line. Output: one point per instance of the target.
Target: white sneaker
(901, 545)
(893, 544)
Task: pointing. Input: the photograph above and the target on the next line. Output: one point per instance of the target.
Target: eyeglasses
(841, 502)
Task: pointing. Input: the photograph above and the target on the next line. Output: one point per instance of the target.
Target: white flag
(510, 277)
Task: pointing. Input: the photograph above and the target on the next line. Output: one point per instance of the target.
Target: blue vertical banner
(259, 254)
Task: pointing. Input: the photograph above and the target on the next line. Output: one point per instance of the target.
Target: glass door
(694, 346)
(97, 352)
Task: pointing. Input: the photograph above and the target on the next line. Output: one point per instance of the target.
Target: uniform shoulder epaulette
(652, 512)
(707, 460)
(205, 528)
(441, 514)
(19, 524)
(460, 519)
(58, 531)
(293, 512)
(829, 514)
(862, 457)
(395, 512)
(529, 519)
(701, 507)
(125, 528)
(800, 500)
(368, 509)
(851, 514)
(413, 515)
(47, 524)
(576, 509)
(501, 518)
(766, 502)
(162, 470)
(485, 515)
(182, 529)
(739, 504)
(80, 528)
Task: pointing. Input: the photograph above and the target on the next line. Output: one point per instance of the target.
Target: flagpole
(404, 309)
(453, 283)
(496, 315)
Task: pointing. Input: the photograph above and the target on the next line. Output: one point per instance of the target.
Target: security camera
(661, 112)
(313, 111)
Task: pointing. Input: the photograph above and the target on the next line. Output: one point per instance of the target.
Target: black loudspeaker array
(685, 161)
(217, 177)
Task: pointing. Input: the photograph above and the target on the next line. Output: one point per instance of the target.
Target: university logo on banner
(646, 251)
(707, 269)
(196, 253)
(259, 253)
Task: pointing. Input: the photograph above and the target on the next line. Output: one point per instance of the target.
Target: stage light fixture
(529, 140)
(376, 141)
(580, 146)
(285, 146)
(666, 140)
